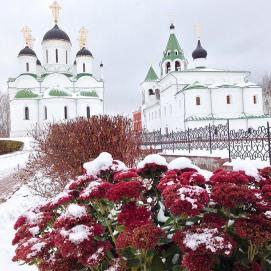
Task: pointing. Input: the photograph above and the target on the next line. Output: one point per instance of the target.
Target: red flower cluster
(126, 175)
(96, 189)
(125, 190)
(197, 262)
(143, 237)
(231, 195)
(265, 172)
(185, 200)
(80, 181)
(236, 177)
(152, 169)
(132, 216)
(256, 228)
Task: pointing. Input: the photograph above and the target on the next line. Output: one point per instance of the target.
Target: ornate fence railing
(251, 143)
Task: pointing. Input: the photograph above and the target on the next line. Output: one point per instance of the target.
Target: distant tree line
(266, 85)
(4, 115)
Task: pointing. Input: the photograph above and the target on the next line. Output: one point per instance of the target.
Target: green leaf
(157, 264)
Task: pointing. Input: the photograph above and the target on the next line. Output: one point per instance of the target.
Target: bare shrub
(62, 148)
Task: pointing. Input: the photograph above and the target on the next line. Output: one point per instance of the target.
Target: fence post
(172, 137)
(210, 138)
(188, 138)
(160, 140)
(229, 139)
(269, 143)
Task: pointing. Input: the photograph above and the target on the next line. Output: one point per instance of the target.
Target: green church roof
(173, 46)
(25, 94)
(151, 75)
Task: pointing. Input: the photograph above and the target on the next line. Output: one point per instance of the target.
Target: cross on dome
(83, 37)
(198, 29)
(29, 40)
(55, 7)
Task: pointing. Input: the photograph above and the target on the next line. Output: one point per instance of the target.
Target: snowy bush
(61, 148)
(157, 216)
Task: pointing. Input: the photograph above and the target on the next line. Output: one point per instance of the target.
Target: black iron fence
(251, 143)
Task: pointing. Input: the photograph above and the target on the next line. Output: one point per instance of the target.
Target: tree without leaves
(266, 85)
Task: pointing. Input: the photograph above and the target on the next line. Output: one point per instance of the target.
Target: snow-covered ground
(21, 201)
(11, 162)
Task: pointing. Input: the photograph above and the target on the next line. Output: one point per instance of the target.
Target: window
(228, 99)
(177, 66)
(65, 112)
(157, 94)
(197, 100)
(66, 57)
(168, 67)
(47, 56)
(88, 112)
(255, 99)
(151, 92)
(84, 67)
(176, 53)
(26, 113)
(56, 56)
(168, 53)
(27, 67)
(45, 113)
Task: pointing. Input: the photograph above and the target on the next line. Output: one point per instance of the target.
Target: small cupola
(199, 52)
(27, 57)
(199, 56)
(84, 58)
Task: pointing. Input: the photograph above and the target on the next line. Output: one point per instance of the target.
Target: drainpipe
(243, 107)
(176, 79)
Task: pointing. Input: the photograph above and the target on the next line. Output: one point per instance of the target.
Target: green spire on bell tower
(151, 75)
(173, 50)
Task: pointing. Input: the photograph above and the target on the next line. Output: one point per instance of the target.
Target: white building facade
(183, 97)
(61, 87)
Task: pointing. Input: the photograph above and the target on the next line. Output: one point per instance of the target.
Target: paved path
(8, 185)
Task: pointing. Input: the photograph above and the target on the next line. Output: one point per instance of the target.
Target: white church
(186, 96)
(60, 87)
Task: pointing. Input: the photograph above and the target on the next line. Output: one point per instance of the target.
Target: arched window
(168, 53)
(228, 99)
(151, 92)
(56, 55)
(255, 99)
(197, 100)
(168, 67)
(157, 94)
(65, 112)
(66, 57)
(45, 112)
(47, 56)
(88, 112)
(84, 67)
(27, 67)
(26, 113)
(176, 53)
(177, 66)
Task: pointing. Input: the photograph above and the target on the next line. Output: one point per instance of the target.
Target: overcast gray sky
(129, 35)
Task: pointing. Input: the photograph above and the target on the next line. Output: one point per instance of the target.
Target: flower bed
(158, 216)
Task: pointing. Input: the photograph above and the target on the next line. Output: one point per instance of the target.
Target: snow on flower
(75, 210)
(246, 166)
(78, 233)
(103, 162)
(181, 163)
(204, 240)
(152, 159)
(268, 214)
